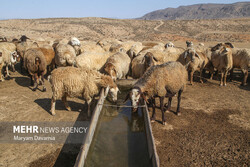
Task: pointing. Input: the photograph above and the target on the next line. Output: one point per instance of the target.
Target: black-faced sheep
(222, 60)
(35, 63)
(79, 82)
(241, 59)
(117, 66)
(162, 81)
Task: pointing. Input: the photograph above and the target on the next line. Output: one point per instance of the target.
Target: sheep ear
(216, 47)
(155, 58)
(229, 44)
(106, 91)
(197, 55)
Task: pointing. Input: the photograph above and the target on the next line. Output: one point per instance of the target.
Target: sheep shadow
(69, 151)
(45, 103)
(22, 81)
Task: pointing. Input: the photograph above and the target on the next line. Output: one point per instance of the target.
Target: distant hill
(201, 11)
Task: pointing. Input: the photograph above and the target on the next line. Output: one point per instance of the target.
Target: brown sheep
(222, 60)
(35, 63)
(241, 59)
(195, 61)
(162, 81)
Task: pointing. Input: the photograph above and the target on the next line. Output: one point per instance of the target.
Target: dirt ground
(212, 130)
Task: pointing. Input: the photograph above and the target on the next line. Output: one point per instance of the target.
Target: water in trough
(120, 138)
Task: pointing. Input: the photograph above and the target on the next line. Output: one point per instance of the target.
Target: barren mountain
(201, 11)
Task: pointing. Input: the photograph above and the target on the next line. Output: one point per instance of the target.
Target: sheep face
(14, 57)
(110, 70)
(135, 97)
(170, 44)
(149, 60)
(190, 55)
(113, 93)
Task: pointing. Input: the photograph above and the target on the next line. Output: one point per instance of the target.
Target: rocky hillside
(201, 11)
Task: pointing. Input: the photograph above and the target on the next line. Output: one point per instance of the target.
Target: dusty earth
(212, 130)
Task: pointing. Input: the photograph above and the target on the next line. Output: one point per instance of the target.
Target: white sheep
(74, 41)
(65, 55)
(8, 59)
(92, 60)
(117, 65)
(79, 82)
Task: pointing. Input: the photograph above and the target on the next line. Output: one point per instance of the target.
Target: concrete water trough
(118, 137)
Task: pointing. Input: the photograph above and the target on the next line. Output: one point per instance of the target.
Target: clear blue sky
(89, 8)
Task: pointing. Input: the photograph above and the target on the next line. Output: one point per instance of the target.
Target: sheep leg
(7, 70)
(35, 78)
(245, 72)
(225, 78)
(231, 74)
(201, 75)
(169, 103)
(44, 88)
(162, 110)
(13, 68)
(64, 99)
(179, 102)
(1, 76)
(191, 77)
(89, 112)
(21, 65)
(222, 76)
(53, 105)
(153, 107)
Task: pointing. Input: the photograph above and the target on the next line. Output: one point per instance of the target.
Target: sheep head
(110, 87)
(135, 95)
(190, 54)
(169, 44)
(110, 70)
(24, 38)
(149, 60)
(14, 58)
(189, 43)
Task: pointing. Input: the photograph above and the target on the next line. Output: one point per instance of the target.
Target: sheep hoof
(34, 89)
(53, 113)
(164, 123)
(152, 120)
(44, 90)
(201, 81)
(178, 114)
(243, 84)
(225, 85)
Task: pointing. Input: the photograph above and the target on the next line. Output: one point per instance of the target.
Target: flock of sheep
(82, 68)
